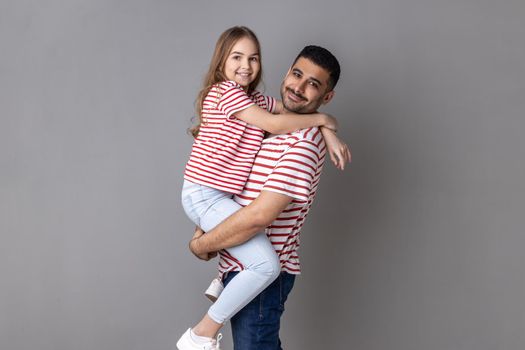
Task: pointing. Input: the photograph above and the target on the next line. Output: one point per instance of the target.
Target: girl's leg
(208, 207)
(261, 268)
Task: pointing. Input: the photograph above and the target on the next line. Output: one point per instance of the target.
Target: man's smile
(294, 97)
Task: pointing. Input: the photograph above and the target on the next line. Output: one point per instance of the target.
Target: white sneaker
(187, 343)
(214, 290)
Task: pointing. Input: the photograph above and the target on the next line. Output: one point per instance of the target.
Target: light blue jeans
(207, 207)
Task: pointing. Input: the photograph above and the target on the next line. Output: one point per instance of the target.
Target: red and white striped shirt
(290, 164)
(224, 151)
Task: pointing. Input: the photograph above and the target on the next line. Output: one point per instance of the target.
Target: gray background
(418, 245)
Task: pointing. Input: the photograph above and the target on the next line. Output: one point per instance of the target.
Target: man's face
(305, 87)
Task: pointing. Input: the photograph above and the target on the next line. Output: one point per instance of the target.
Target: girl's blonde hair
(215, 73)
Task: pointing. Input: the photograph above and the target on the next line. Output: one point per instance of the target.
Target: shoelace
(215, 343)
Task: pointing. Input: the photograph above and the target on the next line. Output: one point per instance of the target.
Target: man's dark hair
(323, 58)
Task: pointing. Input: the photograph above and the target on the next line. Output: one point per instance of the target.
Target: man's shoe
(187, 343)
(214, 290)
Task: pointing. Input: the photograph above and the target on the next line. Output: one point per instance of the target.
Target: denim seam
(261, 316)
(281, 290)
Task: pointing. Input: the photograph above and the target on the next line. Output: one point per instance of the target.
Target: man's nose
(300, 86)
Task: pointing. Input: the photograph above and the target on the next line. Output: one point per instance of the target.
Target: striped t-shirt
(290, 164)
(224, 151)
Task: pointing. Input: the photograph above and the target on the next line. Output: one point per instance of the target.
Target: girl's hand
(338, 150)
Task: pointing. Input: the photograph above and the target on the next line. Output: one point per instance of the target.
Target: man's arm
(242, 225)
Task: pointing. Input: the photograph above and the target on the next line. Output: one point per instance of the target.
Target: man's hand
(194, 246)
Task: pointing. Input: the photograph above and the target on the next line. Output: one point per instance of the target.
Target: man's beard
(304, 106)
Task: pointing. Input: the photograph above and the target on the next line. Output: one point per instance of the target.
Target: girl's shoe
(214, 290)
(187, 343)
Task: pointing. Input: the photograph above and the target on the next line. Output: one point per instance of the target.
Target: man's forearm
(242, 225)
(235, 230)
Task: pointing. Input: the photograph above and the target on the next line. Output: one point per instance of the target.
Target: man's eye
(314, 84)
(297, 75)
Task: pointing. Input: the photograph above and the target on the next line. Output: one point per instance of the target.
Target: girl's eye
(236, 58)
(254, 59)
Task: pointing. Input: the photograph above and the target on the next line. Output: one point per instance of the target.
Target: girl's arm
(338, 150)
(284, 123)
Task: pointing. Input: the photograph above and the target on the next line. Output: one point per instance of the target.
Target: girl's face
(242, 64)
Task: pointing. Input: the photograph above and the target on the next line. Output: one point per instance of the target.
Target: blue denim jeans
(256, 326)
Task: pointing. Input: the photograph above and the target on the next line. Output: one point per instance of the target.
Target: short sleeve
(270, 104)
(295, 171)
(266, 102)
(233, 99)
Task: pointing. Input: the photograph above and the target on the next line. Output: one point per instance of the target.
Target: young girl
(233, 119)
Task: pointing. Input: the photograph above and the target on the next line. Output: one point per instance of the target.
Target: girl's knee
(271, 267)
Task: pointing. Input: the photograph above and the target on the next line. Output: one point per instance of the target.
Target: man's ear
(328, 96)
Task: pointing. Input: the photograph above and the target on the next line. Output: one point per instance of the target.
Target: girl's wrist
(326, 129)
(324, 119)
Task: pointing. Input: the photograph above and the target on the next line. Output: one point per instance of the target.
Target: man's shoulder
(301, 141)
(310, 136)
(307, 135)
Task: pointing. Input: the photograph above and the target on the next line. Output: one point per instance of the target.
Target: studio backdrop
(417, 245)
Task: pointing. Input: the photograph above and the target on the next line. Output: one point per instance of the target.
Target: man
(277, 196)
